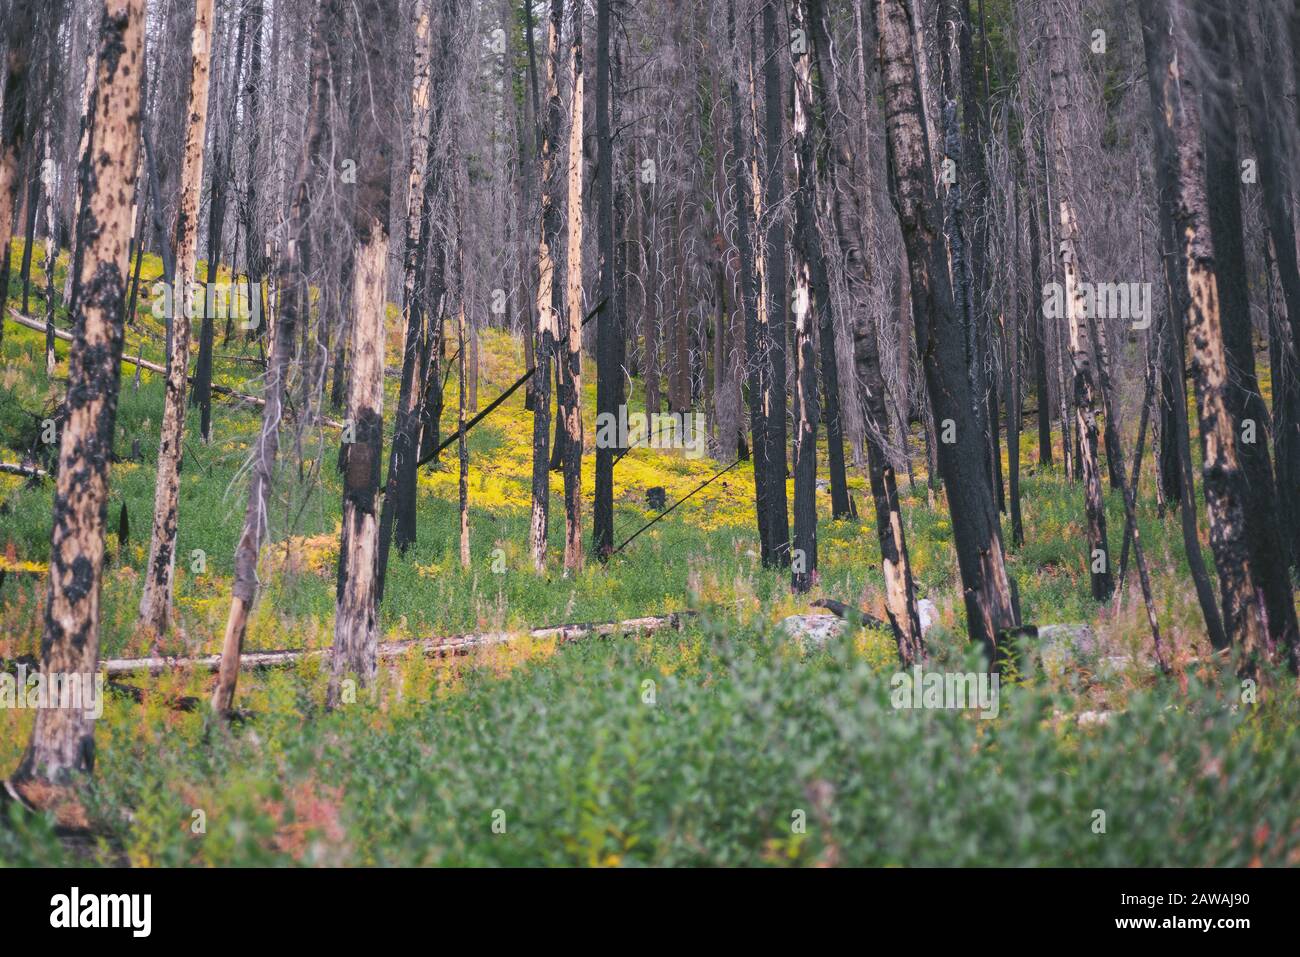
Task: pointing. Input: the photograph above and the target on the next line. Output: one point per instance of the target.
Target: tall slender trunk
(1062, 71)
(548, 294)
(62, 743)
(356, 614)
(399, 489)
(755, 367)
(990, 606)
(160, 572)
(1269, 556)
(1175, 107)
(570, 407)
(13, 129)
(608, 372)
(807, 256)
(248, 550)
(777, 298)
(1261, 108)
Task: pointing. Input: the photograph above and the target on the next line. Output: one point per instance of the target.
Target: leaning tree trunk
(990, 606)
(355, 617)
(547, 296)
(570, 410)
(62, 742)
(160, 572)
(1175, 107)
(247, 551)
(1061, 72)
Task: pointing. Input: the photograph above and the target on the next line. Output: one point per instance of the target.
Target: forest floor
(722, 742)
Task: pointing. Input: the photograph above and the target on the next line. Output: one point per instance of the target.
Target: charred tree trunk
(160, 572)
(990, 607)
(1269, 556)
(807, 254)
(570, 405)
(355, 618)
(62, 742)
(1175, 107)
(608, 371)
(776, 299)
(248, 550)
(1062, 69)
(1262, 108)
(399, 489)
(743, 182)
(13, 131)
(548, 294)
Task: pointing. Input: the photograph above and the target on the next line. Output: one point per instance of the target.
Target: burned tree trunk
(62, 742)
(807, 255)
(777, 296)
(548, 295)
(1061, 70)
(1175, 107)
(160, 572)
(355, 618)
(1269, 557)
(570, 404)
(399, 493)
(292, 281)
(900, 590)
(743, 182)
(608, 372)
(990, 608)
(13, 132)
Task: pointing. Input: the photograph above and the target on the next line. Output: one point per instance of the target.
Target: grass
(702, 746)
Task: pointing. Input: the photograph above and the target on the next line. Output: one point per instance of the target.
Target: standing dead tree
(990, 604)
(355, 618)
(160, 572)
(292, 282)
(1175, 107)
(62, 742)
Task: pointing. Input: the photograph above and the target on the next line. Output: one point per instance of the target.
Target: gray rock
(928, 614)
(1060, 646)
(813, 631)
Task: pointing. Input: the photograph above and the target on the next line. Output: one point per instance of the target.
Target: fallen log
(439, 646)
(27, 471)
(217, 389)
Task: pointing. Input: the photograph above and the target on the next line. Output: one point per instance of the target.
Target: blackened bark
(990, 607)
(608, 371)
(1262, 109)
(356, 614)
(1269, 556)
(807, 256)
(1175, 106)
(548, 294)
(755, 367)
(777, 298)
(62, 743)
